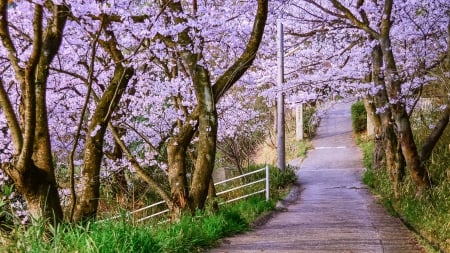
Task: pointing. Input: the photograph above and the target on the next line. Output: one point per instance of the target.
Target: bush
(359, 117)
(280, 179)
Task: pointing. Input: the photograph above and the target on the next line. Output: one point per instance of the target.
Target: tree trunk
(33, 171)
(212, 196)
(387, 138)
(46, 192)
(393, 83)
(176, 159)
(87, 201)
(205, 113)
(38, 187)
(415, 166)
(206, 146)
(42, 195)
(395, 162)
(379, 156)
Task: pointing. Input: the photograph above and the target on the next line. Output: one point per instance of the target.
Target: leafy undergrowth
(428, 215)
(190, 234)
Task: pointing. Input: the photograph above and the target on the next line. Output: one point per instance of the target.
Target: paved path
(334, 212)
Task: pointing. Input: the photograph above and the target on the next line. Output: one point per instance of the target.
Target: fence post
(267, 183)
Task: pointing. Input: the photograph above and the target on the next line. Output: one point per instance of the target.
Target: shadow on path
(334, 212)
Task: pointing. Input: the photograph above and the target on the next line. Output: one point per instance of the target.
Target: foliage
(190, 234)
(377, 180)
(282, 178)
(235, 150)
(335, 46)
(6, 216)
(359, 117)
(163, 45)
(423, 124)
(12, 207)
(302, 148)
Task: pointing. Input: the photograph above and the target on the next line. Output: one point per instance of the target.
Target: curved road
(334, 211)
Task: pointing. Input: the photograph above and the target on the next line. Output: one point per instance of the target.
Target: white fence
(131, 216)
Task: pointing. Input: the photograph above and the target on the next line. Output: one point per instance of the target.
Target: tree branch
(352, 18)
(29, 90)
(7, 41)
(431, 141)
(139, 170)
(241, 64)
(11, 118)
(80, 122)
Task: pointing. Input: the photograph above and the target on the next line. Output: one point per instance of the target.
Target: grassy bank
(427, 215)
(190, 234)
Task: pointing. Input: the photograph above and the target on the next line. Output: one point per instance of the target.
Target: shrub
(359, 117)
(282, 178)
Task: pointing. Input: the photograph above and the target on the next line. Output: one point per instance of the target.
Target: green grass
(302, 148)
(190, 234)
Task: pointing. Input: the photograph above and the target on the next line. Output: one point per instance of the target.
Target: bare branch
(433, 138)
(139, 170)
(11, 118)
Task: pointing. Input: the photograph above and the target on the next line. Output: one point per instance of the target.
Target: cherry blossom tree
(208, 90)
(165, 103)
(400, 80)
(120, 84)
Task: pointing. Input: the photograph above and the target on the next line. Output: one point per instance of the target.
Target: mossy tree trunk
(400, 116)
(32, 171)
(387, 138)
(87, 201)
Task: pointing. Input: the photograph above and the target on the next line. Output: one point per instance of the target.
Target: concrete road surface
(334, 211)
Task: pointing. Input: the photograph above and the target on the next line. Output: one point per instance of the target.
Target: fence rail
(131, 215)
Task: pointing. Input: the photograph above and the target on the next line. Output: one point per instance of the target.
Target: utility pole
(281, 150)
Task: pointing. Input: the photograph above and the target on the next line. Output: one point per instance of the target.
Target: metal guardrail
(266, 190)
